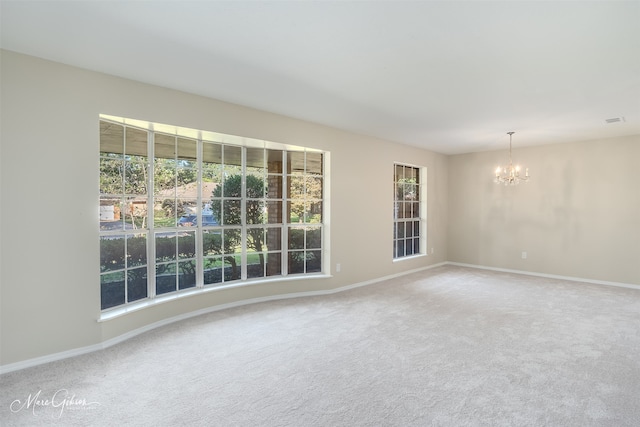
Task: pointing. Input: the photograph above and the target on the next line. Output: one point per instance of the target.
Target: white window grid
(151, 231)
(409, 212)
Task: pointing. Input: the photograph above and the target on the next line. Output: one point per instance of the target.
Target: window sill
(404, 258)
(116, 312)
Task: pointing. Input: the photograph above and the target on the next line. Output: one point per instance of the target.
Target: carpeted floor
(450, 346)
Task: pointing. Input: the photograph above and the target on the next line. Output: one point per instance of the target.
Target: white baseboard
(11, 367)
(550, 276)
(48, 358)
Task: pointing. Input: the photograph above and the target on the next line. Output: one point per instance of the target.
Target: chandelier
(510, 175)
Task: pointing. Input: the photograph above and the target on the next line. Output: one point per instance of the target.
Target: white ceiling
(449, 76)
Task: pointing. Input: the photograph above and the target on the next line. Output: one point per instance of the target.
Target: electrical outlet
(337, 268)
(524, 255)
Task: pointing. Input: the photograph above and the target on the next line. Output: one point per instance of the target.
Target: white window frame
(421, 218)
(203, 137)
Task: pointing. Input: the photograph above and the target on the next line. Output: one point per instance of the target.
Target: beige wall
(49, 281)
(579, 216)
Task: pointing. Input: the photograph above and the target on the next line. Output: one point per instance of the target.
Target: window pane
(296, 238)
(313, 187)
(295, 187)
(136, 250)
(164, 178)
(164, 146)
(186, 180)
(314, 262)
(186, 212)
(231, 212)
(296, 262)
(112, 289)
(255, 210)
(110, 214)
(402, 210)
(273, 240)
(165, 278)
(255, 158)
(111, 137)
(166, 216)
(409, 246)
(256, 239)
(410, 174)
(231, 268)
(255, 187)
(136, 284)
(295, 162)
(314, 163)
(112, 253)
(212, 242)
(135, 175)
(211, 153)
(273, 264)
(135, 212)
(187, 150)
(314, 238)
(135, 143)
(274, 161)
(274, 186)
(111, 176)
(314, 214)
(187, 245)
(296, 211)
(407, 210)
(399, 173)
(411, 192)
(274, 212)
(255, 265)
(165, 247)
(231, 240)
(187, 274)
(232, 156)
(212, 270)
(232, 180)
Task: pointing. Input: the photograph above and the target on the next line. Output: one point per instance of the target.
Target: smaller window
(408, 212)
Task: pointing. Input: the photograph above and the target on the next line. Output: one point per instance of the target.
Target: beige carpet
(451, 346)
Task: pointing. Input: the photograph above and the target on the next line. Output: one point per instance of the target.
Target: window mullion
(304, 214)
(151, 239)
(243, 215)
(284, 259)
(124, 201)
(199, 233)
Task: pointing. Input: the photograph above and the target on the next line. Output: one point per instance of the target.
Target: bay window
(183, 209)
